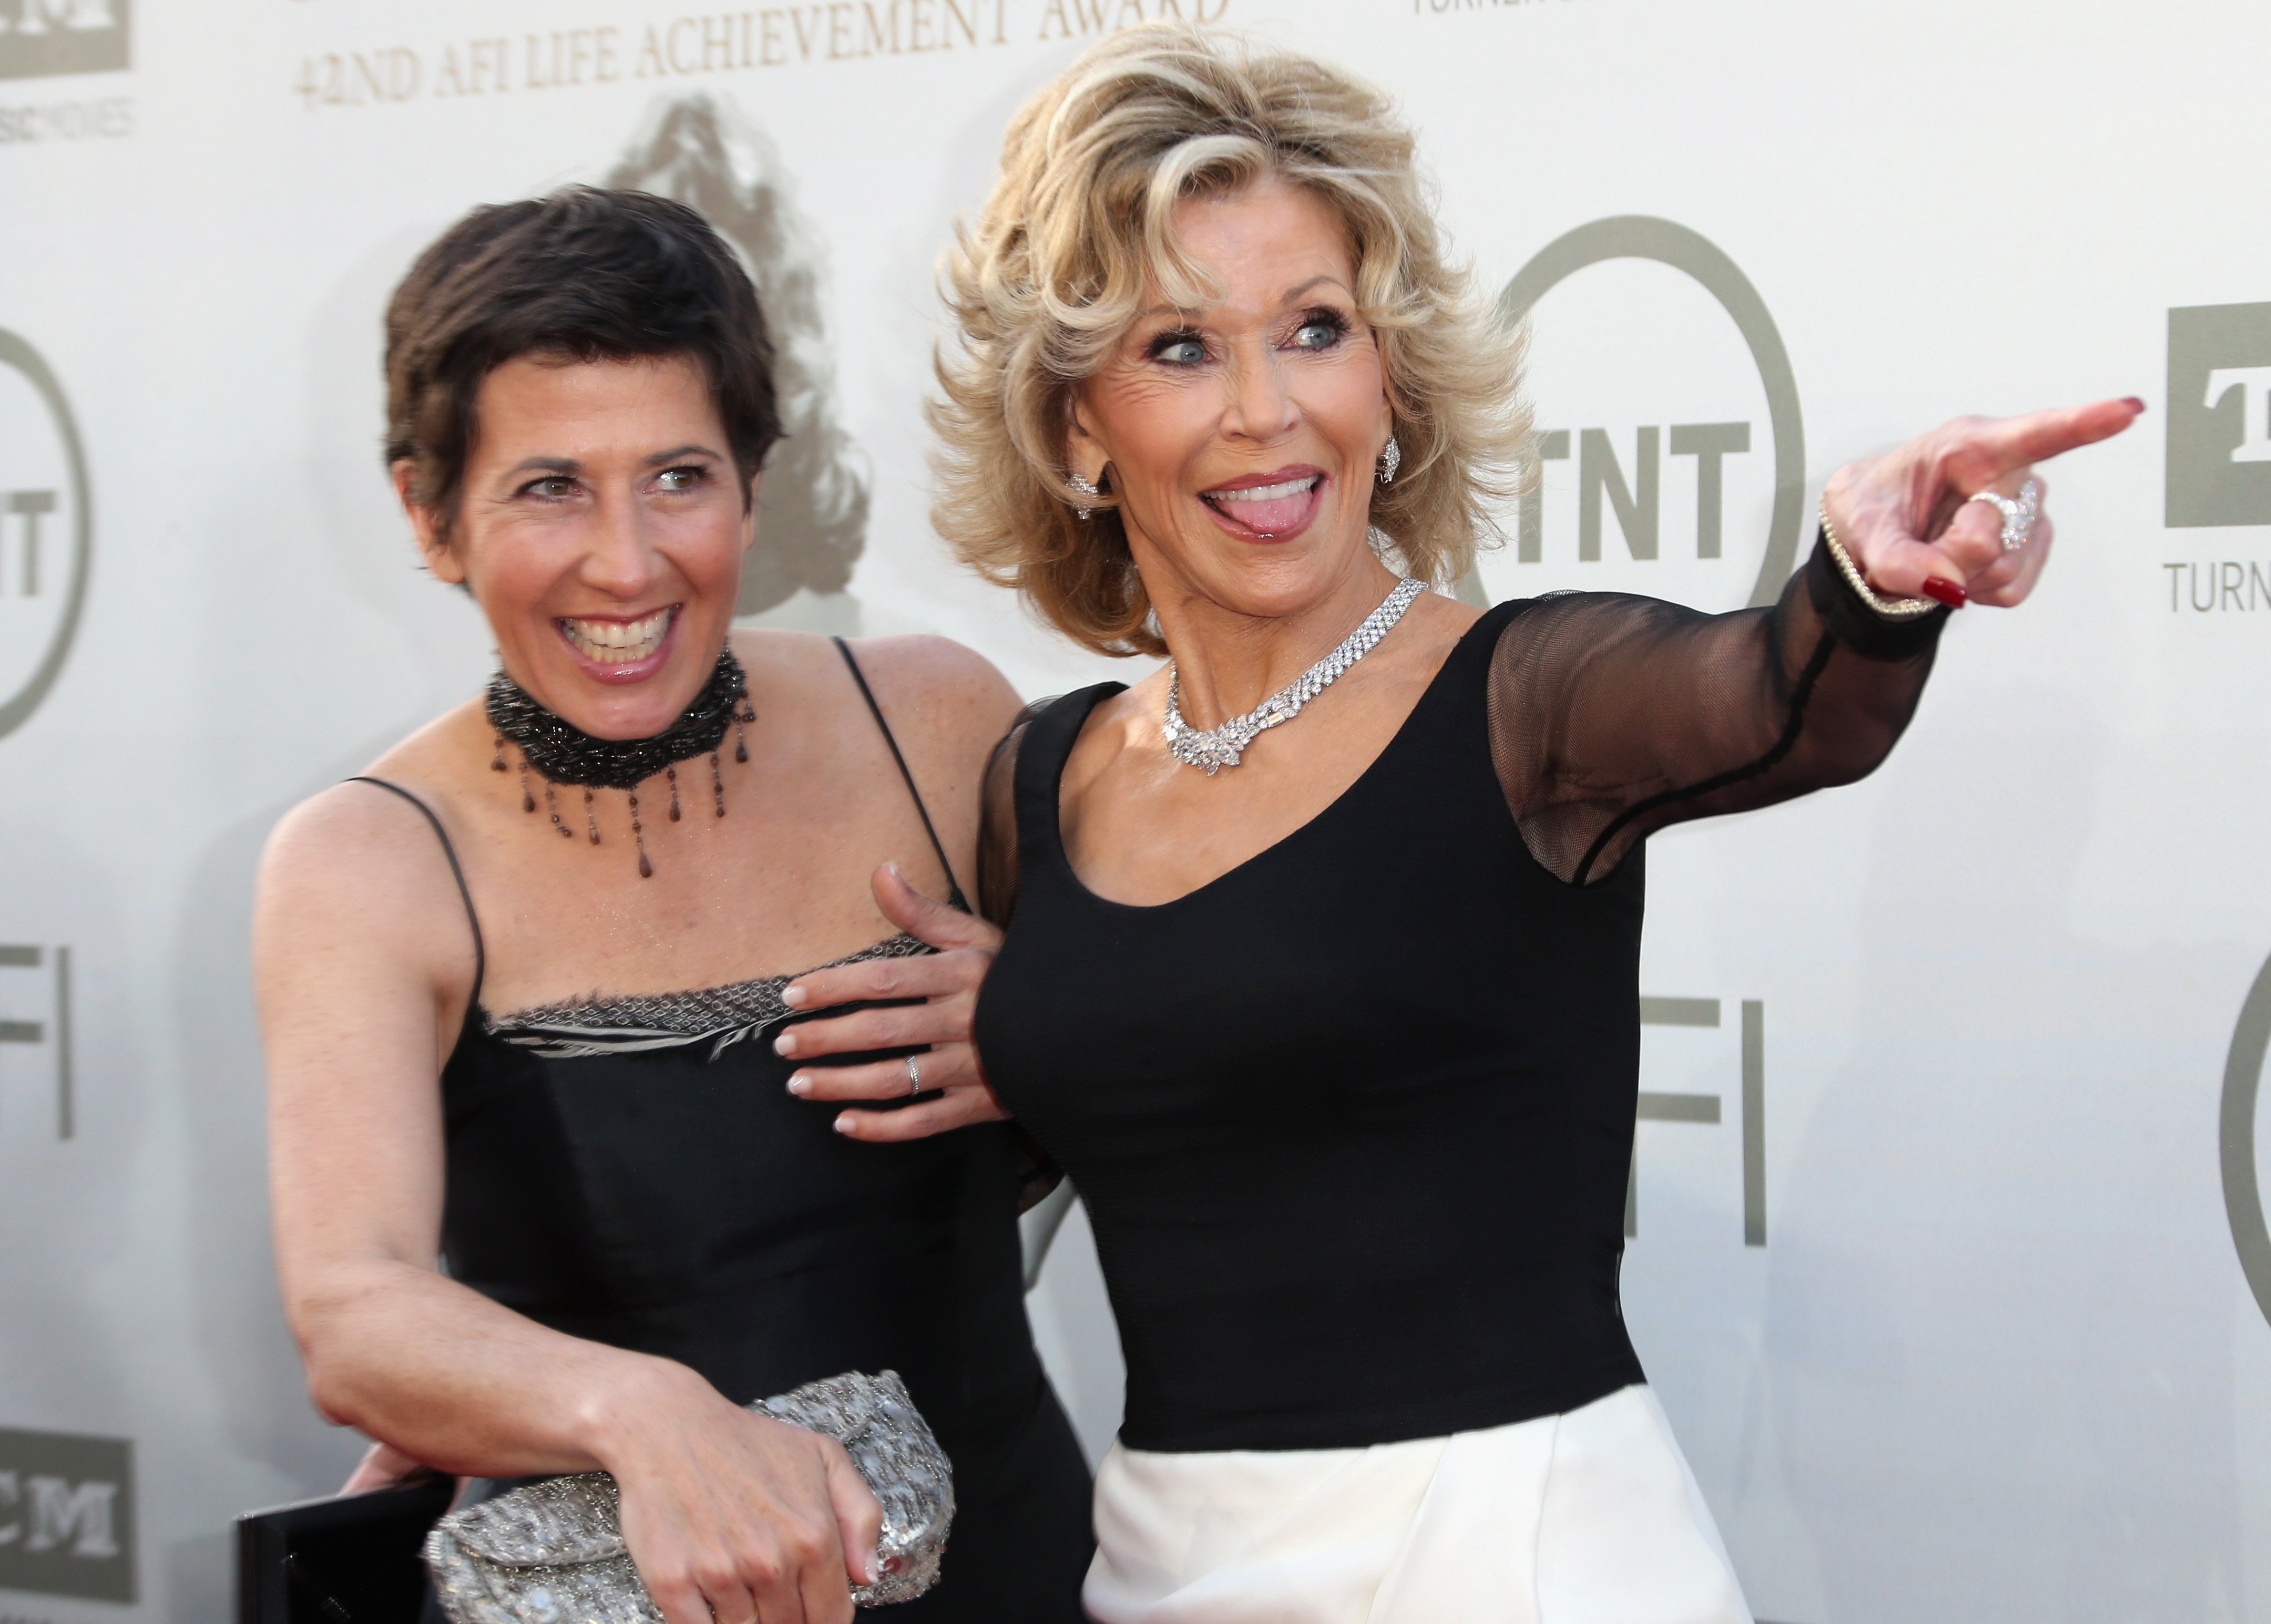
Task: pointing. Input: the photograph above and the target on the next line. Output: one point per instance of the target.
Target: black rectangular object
(353, 1559)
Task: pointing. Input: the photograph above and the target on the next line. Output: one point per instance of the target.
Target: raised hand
(1908, 521)
(948, 981)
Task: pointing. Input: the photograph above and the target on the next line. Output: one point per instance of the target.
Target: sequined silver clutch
(553, 1553)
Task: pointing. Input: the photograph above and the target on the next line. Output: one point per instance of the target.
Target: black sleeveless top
(1352, 1121)
(635, 1172)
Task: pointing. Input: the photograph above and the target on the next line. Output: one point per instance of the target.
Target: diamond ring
(914, 1077)
(2019, 512)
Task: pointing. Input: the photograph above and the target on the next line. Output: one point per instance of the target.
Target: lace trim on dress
(579, 1029)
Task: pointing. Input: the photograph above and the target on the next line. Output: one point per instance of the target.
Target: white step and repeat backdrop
(1946, 1211)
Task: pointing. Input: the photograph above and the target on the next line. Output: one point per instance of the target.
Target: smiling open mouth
(1266, 509)
(618, 642)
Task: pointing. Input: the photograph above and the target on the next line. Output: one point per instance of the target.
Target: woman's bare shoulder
(931, 684)
(358, 856)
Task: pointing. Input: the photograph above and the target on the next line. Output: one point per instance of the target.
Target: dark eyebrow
(680, 454)
(544, 465)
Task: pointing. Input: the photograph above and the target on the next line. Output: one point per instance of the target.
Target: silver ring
(2019, 512)
(914, 1077)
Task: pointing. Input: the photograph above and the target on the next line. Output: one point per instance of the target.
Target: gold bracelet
(1885, 608)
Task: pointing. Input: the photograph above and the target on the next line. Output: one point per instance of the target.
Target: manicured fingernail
(799, 1085)
(875, 1566)
(1945, 591)
(785, 1044)
(2135, 403)
(843, 1124)
(794, 996)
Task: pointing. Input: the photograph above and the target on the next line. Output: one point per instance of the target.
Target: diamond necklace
(1216, 748)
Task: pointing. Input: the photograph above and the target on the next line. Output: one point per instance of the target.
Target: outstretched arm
(1613, 717)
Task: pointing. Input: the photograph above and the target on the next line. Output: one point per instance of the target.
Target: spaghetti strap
(480, 952)
(953, 885)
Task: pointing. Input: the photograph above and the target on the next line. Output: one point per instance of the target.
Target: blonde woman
(1321, 978)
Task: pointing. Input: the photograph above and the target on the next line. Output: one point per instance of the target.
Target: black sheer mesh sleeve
(997, 823)
(1038, 1173)
(1613, 717)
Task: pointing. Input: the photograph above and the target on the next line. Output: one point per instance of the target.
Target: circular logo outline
(1667, 243)
(17, 352)
(2243, 1195)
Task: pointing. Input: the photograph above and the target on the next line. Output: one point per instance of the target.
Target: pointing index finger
(1997, 447)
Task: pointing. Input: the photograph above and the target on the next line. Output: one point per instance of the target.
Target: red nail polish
(1945, 591)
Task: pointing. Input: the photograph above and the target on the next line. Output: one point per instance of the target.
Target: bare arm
(365, 964)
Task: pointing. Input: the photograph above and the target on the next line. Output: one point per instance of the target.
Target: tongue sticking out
(1270, 516)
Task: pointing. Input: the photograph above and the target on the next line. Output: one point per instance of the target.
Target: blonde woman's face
(1241, 438)
(601, 532)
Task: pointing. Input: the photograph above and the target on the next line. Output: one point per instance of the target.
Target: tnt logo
(28, 508)
(46, 528)
(1669, 453)
(2219, 462)
(41, 37)
(1638, 505)
(67, 1515)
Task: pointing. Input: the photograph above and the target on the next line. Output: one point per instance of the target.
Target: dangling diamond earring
(1391, 458)
(1086, 488)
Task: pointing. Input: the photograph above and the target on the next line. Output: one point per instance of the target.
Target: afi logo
(41, 37)
(67, 1515)
(2219, 461)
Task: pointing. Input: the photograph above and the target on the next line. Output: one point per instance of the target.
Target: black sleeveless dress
(636, 1173)
(1352, 1121)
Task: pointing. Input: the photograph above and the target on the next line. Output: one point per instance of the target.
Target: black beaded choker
(562, 753)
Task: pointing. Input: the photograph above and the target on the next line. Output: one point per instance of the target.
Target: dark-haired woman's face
(1241, 437)
(601, 532)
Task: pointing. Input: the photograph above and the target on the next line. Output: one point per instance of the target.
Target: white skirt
(1590, 1517)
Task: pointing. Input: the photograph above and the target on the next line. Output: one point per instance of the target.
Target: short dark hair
(583, 274)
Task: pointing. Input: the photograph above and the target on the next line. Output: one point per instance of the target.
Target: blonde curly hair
(1075, 241)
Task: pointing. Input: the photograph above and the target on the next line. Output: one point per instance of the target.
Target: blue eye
(1179, 349)
(1319, 333)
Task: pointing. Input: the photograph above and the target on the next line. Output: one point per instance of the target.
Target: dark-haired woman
(521, 981)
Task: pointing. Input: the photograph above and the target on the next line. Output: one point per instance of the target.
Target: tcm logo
(45, 530)
(1669, 448)
(67, 1515)
(2219, 464)
(41, 37)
